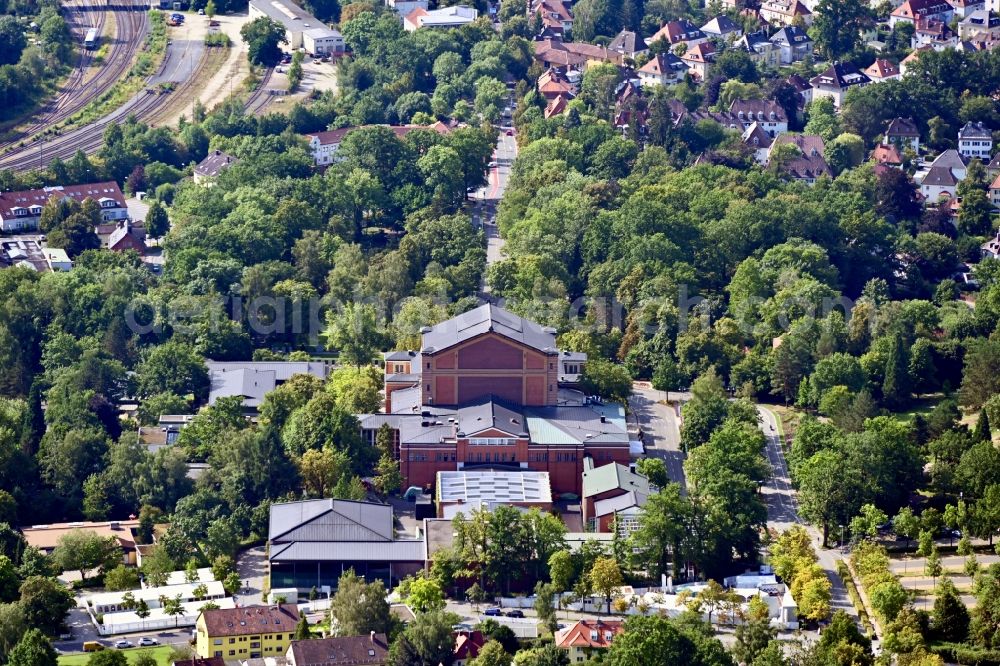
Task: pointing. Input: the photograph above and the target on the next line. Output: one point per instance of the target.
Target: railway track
(144, 105)
(260, 97)
(131, 20)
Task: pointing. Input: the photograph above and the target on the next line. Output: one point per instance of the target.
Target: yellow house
(246, 633)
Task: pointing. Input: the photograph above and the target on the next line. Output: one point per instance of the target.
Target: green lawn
(162, 654)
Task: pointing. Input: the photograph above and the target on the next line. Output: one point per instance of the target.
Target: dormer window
(36, 210)
(20, 212)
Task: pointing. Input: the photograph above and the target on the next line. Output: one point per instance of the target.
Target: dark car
(493, 612)
(515, 613)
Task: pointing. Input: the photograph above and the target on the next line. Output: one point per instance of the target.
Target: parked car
(493, 612)
(92, 646)
(147, 641)
(515, 613)
(121, 645)
(201, 12)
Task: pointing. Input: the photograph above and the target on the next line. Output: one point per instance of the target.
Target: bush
(958, 653)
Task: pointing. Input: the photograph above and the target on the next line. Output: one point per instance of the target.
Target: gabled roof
(790, 8)
(703, 52)
(840, 75)
(613, 476)
(488, 318)
(677, 31)
(216, 162)
(489, 414)
(662, 63)
(330, 520)
(791, 35)
(887, 154)
(627, 42)
(950, 159)
(468, 644)
(882, 69)
(589, 634)
(975, 131)
(762, 110)
(341, 650)
(80, 193)
(904, 127)
(251, 620)
(940, 177)
(721, 25)
(755, 136)
(913, 9)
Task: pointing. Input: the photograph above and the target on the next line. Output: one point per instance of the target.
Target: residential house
(837, 80)
(975, 140)
(810, 165)
(552, 52)
(757, 140)
(979, 25)
(760, 49)
(371, 650)
(22, 210)
(767, 113)
(631, 110)
(991, 248)
(903, 133)
(206, 171)
(912, 11)
(995, 193)
(964, 8)
(888, 154)
(46, 537)
(993, 168)
(793, 44)
(785, 12)
(907, 63)
(557, 19)
(628, 43)
(933, 33)
(882, 70)
(677, 32)
(460, 490)
(585, 638)
(612, 492)
(302, 29)
(252, 380)
(802, 87)
(557, 106)
(248, 632)
(57, 260)
(313, 542)
(699, 58)
(663, 69)
(446, 17)
(942, 177)
(553, 83)
(125, 236)
(324, 145)
(467, 647)
(25, 253)
(722, 27)
(487, 390)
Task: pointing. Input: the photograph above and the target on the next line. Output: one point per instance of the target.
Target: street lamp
(841, 536)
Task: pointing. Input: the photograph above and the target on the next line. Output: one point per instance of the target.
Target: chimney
(372, 637)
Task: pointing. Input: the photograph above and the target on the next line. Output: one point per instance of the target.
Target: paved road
(251, 564)
(783, 510)
(488, 197)
(660, 427)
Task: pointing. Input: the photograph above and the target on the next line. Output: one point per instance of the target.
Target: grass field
(161, 654)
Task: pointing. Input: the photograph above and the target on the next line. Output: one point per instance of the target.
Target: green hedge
(958, 653)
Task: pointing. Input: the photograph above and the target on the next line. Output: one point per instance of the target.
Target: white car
(146, 641)
(123, 644)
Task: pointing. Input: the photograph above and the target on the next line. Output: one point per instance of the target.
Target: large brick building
(489, 389)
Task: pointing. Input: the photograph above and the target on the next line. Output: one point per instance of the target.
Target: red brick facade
(487, 365)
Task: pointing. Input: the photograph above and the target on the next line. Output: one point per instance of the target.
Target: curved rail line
(131, 19)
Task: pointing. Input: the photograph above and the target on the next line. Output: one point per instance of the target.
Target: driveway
(661, 430)
(251, 564)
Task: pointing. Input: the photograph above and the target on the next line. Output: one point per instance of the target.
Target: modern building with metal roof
(255, 379)
(314, 542)
(302, 29)
(490, 488)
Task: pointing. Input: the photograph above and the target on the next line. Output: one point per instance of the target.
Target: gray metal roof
(290, 15)
(597, 480)
(254, 380)
(493, 486)
(484, 319)
(330, 520)
(405, 550)
(490, 414)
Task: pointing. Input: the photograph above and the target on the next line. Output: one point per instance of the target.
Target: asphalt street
(660, 427)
